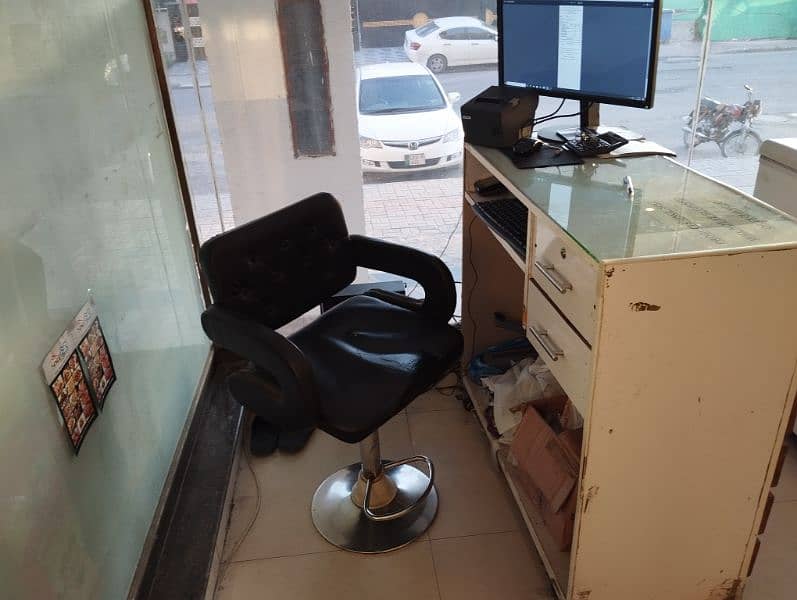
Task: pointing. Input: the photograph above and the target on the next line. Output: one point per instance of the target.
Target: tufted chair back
(278, 267)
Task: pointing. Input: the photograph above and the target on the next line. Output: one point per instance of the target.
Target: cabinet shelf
(556, 562)
(520, 261)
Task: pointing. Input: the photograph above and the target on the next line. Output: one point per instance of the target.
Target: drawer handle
(550, 348)
(552, 275)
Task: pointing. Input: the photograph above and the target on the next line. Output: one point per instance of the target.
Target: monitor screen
(598, 50)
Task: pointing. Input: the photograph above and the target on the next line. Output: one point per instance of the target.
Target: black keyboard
(592, 144)
(509, 217)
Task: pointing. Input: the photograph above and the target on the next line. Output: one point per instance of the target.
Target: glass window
(414, 196)
(477, 33)
(91, 200)
(182, 49)
(410, 93)
(457, 33)
(425, 30)
(753, 84)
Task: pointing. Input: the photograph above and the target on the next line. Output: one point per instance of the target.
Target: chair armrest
(429, 271)
(293, 401)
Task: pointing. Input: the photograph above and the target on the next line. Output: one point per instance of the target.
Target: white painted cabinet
(676, 337)
(776, 181)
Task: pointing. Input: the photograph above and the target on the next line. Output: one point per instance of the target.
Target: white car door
(484, 48)
(455, 46)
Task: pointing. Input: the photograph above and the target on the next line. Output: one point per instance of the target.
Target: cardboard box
(547, 460)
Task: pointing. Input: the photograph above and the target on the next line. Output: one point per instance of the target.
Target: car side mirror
(495, 37)
(454, 97)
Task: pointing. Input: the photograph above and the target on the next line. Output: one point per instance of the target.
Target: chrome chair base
(344, 524)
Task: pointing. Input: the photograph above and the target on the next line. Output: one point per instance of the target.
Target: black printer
(496, 116)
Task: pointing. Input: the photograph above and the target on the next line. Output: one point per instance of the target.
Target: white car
(450, 42)
(406, 120)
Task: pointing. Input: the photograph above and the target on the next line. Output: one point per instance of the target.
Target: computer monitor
(589, 50)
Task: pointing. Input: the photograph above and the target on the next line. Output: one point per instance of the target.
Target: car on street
(451, 42)
(405, 119)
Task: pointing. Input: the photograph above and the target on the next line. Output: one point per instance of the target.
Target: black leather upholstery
(355, 366)
(278, 267)
(370, 359)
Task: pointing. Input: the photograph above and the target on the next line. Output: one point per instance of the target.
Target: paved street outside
(423, 209)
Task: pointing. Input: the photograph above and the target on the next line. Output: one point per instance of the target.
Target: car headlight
(451, 136)
(366, 142)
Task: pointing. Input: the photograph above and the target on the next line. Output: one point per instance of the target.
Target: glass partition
(750, 87)
(90, 200)
(412, 179)
(183, 52)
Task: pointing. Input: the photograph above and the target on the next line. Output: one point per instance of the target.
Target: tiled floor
(477, 548)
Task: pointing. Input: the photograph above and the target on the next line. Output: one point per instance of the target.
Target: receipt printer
(496, 117)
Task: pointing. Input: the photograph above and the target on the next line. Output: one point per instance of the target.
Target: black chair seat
(370, 359)
(355, 366)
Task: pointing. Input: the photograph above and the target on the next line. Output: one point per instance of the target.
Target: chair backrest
(278, 267)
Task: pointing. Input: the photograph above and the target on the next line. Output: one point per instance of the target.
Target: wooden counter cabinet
(668, 318)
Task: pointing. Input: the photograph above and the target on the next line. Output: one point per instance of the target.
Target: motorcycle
(729, 125)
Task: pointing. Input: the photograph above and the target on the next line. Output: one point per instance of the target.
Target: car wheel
(437, 63)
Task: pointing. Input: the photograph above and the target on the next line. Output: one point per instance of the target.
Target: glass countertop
(674, 210)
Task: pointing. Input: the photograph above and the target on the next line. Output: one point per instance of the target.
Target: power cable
(443, 251)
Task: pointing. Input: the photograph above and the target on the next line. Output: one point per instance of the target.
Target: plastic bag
(526, 381)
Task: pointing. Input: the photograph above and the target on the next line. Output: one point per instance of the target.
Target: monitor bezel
(646, 102)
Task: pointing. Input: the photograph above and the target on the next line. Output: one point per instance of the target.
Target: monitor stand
(554, 134)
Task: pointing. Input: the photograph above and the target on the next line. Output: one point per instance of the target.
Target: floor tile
(774, 576)
(474, 498)
(287, 483)
(405, 573)
(483, 567)
(787, 487)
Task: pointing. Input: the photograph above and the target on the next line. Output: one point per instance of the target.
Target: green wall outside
(752, 19)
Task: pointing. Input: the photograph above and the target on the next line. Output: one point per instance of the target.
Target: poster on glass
(73, 400)
(99, 366)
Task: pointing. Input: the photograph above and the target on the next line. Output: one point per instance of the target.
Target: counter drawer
(565, 353)
(570, 278)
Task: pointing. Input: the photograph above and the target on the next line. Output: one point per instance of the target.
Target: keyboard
(592, 144)
(508, 217)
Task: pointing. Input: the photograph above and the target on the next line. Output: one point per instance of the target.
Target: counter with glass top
(667, 317)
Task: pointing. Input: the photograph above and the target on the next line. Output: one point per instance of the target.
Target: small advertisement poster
(74, 401)
(99, 367)
(79, 372)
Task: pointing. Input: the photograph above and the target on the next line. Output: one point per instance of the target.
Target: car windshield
(426, 29)
(409, 93)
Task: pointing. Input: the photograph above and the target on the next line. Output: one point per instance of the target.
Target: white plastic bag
(523, 383)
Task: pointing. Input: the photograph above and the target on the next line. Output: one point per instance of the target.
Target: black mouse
(526, 146)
